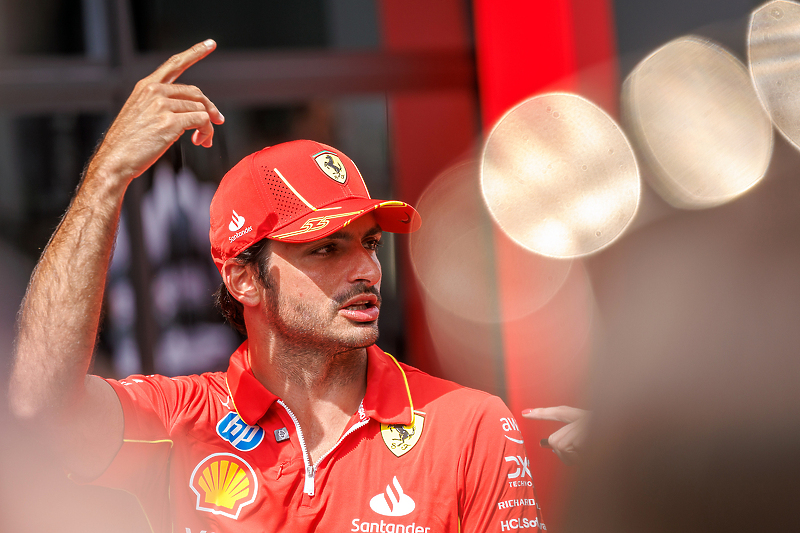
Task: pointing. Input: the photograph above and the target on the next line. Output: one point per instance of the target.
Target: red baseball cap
(298, 191)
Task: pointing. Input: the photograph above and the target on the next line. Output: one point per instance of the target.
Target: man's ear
(241, 282)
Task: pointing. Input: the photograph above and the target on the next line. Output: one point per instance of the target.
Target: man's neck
(322, 389)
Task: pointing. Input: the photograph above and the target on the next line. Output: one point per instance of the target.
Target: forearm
(61, 311)
(60, 314)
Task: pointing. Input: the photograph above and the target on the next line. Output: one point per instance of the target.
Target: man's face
(325, 294)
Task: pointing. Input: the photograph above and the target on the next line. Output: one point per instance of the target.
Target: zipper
(311, 469)
(308, 486)
(348, 432)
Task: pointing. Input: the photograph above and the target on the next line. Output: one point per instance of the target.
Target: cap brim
(392, 216)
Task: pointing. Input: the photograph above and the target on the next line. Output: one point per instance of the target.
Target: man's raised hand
(155, 115)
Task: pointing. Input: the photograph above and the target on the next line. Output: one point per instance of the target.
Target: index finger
(173, 67)
(562, 413)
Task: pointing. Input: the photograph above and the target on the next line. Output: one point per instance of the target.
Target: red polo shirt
(219, 453)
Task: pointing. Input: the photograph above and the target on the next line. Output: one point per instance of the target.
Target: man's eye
(373, 244)
(324, 250)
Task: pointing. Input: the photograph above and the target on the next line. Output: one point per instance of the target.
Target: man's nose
(365, 268)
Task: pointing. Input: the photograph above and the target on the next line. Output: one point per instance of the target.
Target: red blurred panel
(596, 53)
(546, 363)
(428, 132)
(523, 48)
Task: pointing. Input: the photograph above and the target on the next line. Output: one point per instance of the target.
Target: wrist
(107, 180)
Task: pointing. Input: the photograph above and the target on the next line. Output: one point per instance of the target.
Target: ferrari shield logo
(332, 166)
(399, 438)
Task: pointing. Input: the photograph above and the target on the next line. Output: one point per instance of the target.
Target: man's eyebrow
(345, 234)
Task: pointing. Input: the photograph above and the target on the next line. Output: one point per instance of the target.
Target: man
(312, 427)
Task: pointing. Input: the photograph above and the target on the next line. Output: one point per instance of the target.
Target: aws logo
(509, 424)
(224, 484)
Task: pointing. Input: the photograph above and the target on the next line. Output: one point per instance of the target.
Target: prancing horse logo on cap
(332, 166)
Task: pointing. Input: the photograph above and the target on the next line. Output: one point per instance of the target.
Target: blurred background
(681, 335)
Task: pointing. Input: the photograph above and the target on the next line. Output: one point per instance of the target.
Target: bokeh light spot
(695, 116)
(454, 254)
(571, 188)
(774, 59)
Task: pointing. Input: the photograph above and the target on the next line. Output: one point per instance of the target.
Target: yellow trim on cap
(278, 172)
(315, 224)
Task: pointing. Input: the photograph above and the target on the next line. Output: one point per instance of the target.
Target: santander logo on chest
(393, 502)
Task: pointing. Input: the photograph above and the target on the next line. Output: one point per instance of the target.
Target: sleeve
(150, 405)
(495, 481)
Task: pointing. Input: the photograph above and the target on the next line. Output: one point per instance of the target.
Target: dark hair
(231, 309)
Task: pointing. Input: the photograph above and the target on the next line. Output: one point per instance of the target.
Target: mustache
(358, 290)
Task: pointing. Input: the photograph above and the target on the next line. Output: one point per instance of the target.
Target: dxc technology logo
(523, 467)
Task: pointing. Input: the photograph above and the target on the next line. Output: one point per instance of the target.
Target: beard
(317, 327)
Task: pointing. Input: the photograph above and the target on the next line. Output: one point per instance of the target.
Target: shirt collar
(387, 400)
(250, 398)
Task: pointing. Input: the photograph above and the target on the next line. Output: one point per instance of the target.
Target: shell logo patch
(399, 438)
(224, 483)
(332, 166)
